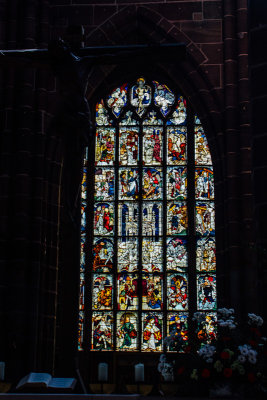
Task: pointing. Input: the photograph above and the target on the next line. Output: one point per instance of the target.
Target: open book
(43, 380)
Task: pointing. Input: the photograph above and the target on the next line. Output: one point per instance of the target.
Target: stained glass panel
(176, 254)
(152, 255)
(202, 152)
(102, 117)
(152, 145)
(128, 219)
(102, 292)
(80, 330)
(103, 219)
(104, 184)
(118, 99)
(152, 119)
(127, 255)
(140, 96)
(177, 291)
(205, 218)
(128, 145)
(163, 97)
(127, 291)
(104, 148)
(103, 254)
(176, 183)
(177, 331)
(204, 183)
(152, 287)
(206, 292)
(176, 218)
(127, 331)
(207, 327)
(206, 254)
(152, 331)
(152, 219)
(152, 183)
(128, 120)
(178, 117)
(176, 145)
(102, 331)
(128, 183)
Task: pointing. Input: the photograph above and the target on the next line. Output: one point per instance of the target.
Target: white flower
(241, 359)
(209, 360)
(252, 353)
(244, 349)
(254, 319)
(252, 360)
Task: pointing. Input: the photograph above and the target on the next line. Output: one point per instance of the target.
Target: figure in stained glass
(152, 332)
(176, 137)
(152, 183)
(152, 119)
(152, 292)
(177, 329)
(178, 117)
(102, 292)
(127, 331)
(163, 98)
(152, 146)
(127, 291)
(128, 146)
(206, 288)
(152, 255)
(202, 153)
(204, 184)
(128, 119)
(104, 184)
(176, 183)
(206, 254)
(102, 331)
(80, 330)
(102, 116)
(118, 99)
(128, 183)
(127, 255)
(207, 328)
(103, 255)
(176, 254)
(140, 96)
(128, 219)
(104, 151)
(176, 218)
(205, 218)
(152, 219)
(103, 219)
(177, 292)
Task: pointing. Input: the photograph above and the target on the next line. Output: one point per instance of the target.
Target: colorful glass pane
(202, 152)
(128, 219)
(152, 119)
(176, 218)
(102, 331)
(152, 145)
(103, 219)
(102, 292)
(80, 330)
(152, 219)
(197, 120)
(163, 97)
(82, 283)
(104, 148)
(206, 254)
(102, 117)
(177, 291)
(204, 183)
(205, 218)
(127, 292)
(206, 292)
(176, 254)
(118, 99)
(176, 144)
(152, 183)
(128, 183)
(140, 96)
(128, 120)
(104, 184)
(177, 331)
(176, 183)
(82, 253)
(103, 253)
(127, 331)
(152, 288)
(127, 255)
(178, 117)
(152, 332)
(128, 154)
(83, 217)
(207, 327)
(152, 255)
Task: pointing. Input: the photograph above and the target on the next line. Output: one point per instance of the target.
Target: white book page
(35, 377)
(62, 382)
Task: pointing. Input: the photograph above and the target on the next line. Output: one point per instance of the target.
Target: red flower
(227, 372)
(180, 370)
(225, 355)
(251, 377)
(205, 373)
(253, 343)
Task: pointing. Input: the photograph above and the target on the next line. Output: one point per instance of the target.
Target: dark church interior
(58, 60)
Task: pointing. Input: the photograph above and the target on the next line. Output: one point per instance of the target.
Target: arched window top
(148, 228)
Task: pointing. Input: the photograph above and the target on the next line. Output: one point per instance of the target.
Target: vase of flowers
(165, 368)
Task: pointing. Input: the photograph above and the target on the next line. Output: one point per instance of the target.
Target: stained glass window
(148, 250)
